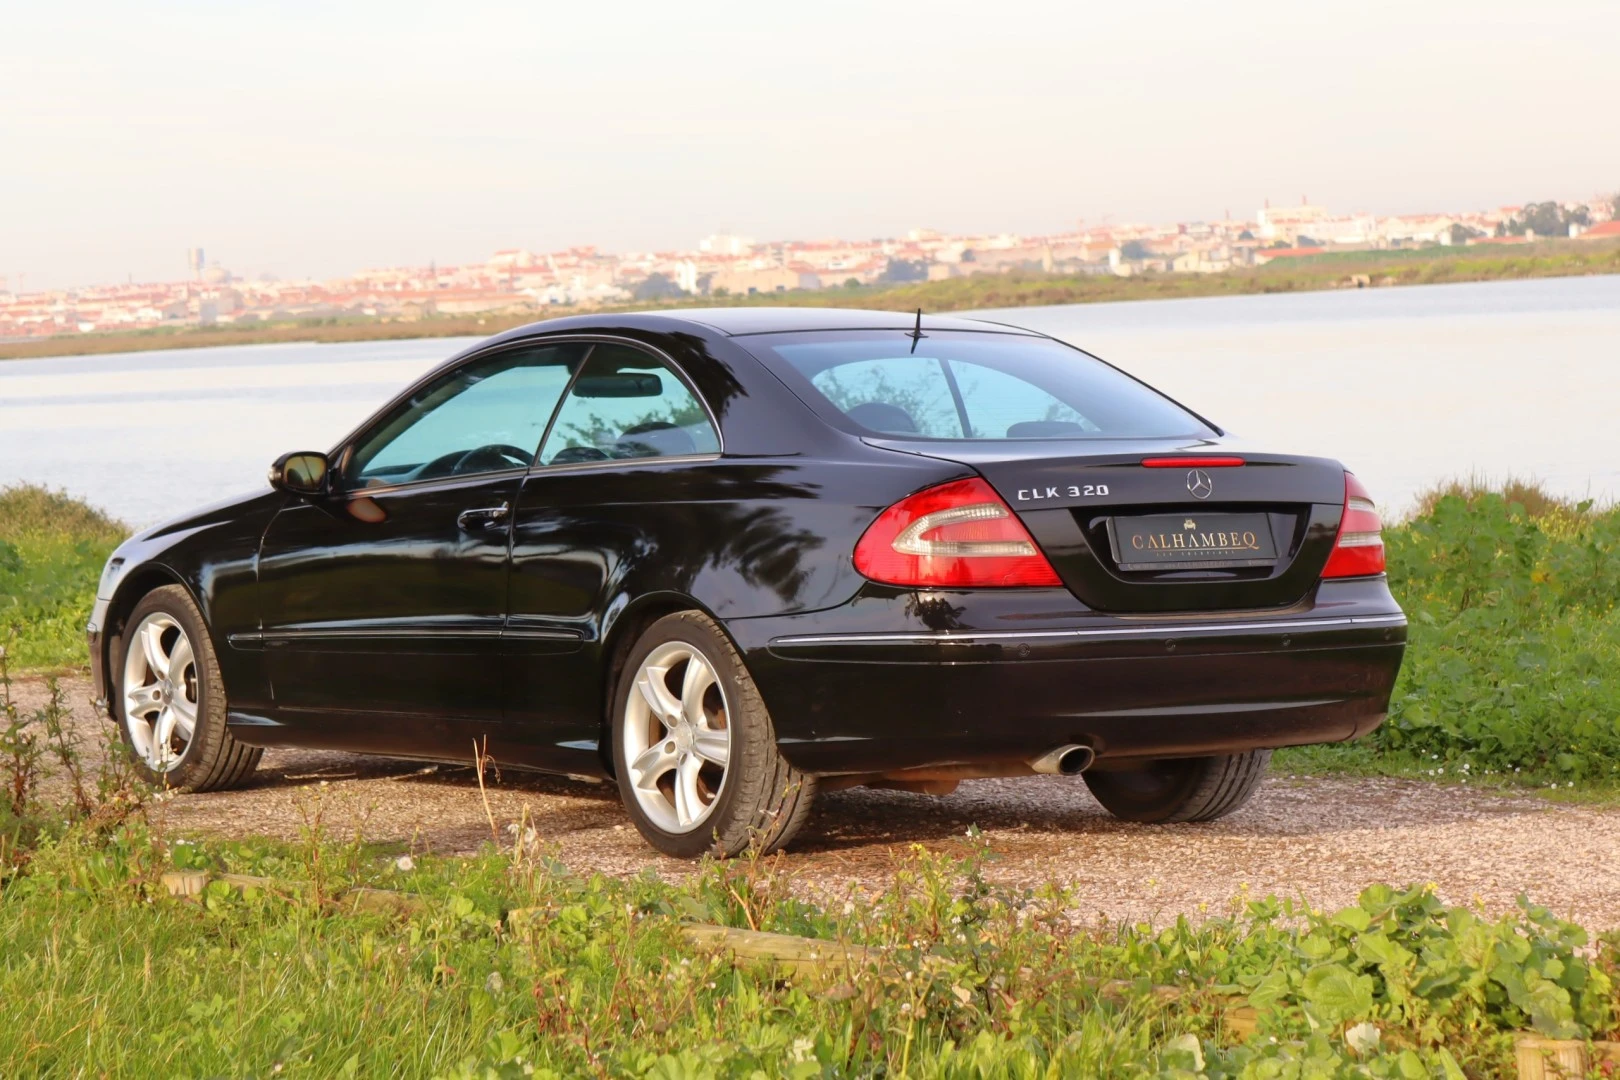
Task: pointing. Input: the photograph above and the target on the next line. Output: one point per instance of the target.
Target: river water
(1407, 386)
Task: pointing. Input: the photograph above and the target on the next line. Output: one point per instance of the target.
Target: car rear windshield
(968, 385)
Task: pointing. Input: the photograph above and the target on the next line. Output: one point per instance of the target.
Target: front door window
(487, 416)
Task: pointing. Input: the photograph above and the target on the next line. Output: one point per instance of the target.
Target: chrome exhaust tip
(1070, 760)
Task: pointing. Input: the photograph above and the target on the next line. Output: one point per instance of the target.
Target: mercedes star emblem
(1199, 483)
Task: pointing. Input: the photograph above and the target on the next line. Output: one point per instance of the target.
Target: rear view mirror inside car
(624, 384)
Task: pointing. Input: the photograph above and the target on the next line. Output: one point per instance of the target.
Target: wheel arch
(622, 629)
(140, 582)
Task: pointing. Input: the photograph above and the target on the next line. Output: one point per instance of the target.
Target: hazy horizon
(302, 140)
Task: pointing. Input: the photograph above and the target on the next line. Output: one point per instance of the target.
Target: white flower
(405, 864)
(802, 1049)
(1363, 1038)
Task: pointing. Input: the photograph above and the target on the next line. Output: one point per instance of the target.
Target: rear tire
(1180, 789)
(169, 698)
(694, 750)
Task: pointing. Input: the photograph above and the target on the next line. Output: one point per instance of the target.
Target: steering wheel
(491, 458)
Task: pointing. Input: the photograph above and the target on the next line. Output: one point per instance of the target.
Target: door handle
(483, 518)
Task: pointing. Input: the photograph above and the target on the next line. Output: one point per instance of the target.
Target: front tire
(169, 698)
(1180, 789)
(694, 749)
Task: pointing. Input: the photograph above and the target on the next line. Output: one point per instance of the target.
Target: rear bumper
(989, 690)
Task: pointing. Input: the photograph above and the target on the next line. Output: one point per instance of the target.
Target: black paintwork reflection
(740, 539)
(934, 610)
(387, 613)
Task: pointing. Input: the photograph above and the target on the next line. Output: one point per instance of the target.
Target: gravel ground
(1319, 839)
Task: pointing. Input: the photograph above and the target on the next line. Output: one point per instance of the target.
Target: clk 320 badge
(1070, 491)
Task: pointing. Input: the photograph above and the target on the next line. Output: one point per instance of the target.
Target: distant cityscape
(723, 265)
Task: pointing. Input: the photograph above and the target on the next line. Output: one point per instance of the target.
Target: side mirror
(302, 472)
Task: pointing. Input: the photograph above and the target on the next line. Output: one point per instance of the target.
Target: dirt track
(1319, 839)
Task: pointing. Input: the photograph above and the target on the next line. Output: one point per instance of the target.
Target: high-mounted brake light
(1192, 461)
(1358, 551)
(956, 535)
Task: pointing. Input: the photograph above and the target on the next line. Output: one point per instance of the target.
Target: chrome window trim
(445, 481)
(588, 466)
(970, 637)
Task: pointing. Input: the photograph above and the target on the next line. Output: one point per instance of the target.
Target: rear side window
(966, 385)
(627, 404)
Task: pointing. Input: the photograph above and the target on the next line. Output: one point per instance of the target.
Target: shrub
(1515, 636)
(52, 548)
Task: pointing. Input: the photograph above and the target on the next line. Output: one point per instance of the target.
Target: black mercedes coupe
(730, 558)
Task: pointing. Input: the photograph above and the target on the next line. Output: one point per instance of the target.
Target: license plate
(1192, 541)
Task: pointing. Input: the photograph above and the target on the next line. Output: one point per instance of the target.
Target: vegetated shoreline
(1424, 266)
(1513, 597)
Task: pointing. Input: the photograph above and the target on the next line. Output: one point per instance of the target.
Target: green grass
(103, 974)
(52, 549)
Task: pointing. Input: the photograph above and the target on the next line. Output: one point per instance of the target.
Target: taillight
(956, 535)
(1358, 551)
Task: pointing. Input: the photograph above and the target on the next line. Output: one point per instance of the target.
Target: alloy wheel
(160, 692)
(677, 737)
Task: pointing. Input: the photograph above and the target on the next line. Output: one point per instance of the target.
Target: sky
(321, 138)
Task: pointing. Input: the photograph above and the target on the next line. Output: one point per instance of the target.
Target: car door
(384, 602)
(621, 457)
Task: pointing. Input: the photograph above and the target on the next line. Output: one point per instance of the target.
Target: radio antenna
(916, 334)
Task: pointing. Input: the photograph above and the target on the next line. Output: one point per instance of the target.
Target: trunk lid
(1127, 538)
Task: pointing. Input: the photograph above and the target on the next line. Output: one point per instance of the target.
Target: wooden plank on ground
(191, 883)
(1561, 1059)
(802, 955)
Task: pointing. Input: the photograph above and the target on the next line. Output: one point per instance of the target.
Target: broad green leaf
(1335, 994)
(1353, 918)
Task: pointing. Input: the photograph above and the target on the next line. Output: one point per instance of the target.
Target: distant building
(686, 276)
(726, 244)
(1289, 222)
(1609, 230)
(748, 281)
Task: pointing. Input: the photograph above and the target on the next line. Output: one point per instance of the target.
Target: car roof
(742, 321)
(737, 321)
